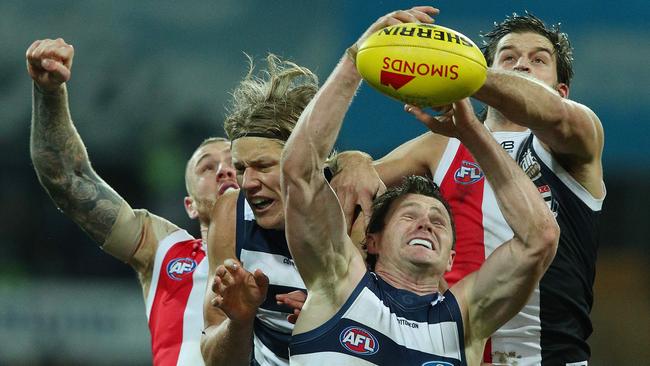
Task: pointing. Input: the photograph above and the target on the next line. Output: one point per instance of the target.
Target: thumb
(463, 108)
(261, 279)
(234, 267)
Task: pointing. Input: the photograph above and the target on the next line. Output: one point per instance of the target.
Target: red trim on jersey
(466, 201)
(487, 352)
(466, 206)
(170, 301)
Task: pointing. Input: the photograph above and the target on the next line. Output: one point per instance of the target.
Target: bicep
(316, 231)
(418, 156)
(577, 133)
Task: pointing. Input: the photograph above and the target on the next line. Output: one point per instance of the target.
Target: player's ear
(371, 243)
(563, 89)
(452, 256)
(190, 207)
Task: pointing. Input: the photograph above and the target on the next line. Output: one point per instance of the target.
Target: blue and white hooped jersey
(267, 250)
(383, 325)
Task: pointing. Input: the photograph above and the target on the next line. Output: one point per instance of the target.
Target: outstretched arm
(231, 299)
(315, 225)
(571, 131)
(61, 162)
(503, 284)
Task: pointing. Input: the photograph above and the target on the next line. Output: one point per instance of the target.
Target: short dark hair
(530, 23)
(381, 206)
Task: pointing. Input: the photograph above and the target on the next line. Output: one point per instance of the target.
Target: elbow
(299, 166)
(291, 170)
(208, 349)
(205, 350)
(548, 237)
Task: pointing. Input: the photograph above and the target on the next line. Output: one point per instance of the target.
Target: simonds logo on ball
(397, 72)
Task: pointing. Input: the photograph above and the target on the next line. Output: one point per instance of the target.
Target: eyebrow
(198, 161)
(434, 208)
(535, 50)
(262, 160)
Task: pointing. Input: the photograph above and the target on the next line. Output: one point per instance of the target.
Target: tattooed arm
(63, 168)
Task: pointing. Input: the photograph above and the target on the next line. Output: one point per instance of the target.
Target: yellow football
(422, 64)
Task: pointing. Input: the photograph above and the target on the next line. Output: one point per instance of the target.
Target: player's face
(211, 174)
(528, 52)
(257, 163)
(418, 233)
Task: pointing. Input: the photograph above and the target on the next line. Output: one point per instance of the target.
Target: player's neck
(204, 233)
(421, 284)
(497, 122)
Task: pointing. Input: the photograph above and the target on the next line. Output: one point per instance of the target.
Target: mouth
(227, 186)
(421, 242)
(260, 203)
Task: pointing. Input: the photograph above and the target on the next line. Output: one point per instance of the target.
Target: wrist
(352, 52)
(242, 323)
(54, 92)
(339, 161)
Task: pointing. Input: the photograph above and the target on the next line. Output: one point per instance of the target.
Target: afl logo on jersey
(358, 340)
(179, 268)
(468, 173)
(437, 363)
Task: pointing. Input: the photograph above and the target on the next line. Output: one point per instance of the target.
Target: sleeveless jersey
(175, 300)
(382, 325)
(267, 250)
(556, 334)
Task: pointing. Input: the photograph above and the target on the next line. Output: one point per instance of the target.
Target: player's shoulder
(160, 227)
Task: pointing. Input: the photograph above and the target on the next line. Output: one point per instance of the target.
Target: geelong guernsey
(267, 250)
(175, 300)
(382, 325)
(553, 326)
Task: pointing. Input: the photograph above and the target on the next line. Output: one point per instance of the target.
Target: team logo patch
(437, 363)
(530, 165)
(468, 173)
(358, 340)
(179, 268)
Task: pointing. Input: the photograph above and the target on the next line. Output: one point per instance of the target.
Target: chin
(271, 221)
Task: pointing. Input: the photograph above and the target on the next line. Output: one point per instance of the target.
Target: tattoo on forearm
(64, 170)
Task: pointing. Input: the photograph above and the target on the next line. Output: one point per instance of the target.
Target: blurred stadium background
(150, 80)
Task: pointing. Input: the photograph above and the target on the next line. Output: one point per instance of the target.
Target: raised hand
(450, 120)
(356, 184)
(49, 63)
(417, 14)
(295, 300)
(238, 292)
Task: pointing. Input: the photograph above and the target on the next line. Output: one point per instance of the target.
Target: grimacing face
(209, 175)
(257, 163)
(531, 53)
(417, 235)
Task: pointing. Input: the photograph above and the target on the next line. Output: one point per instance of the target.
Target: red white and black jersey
(554, 325)
(175, 300)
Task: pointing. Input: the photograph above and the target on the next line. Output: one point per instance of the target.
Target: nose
(425, 225)
(522, 65)
(249, 179)
(225, 172)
